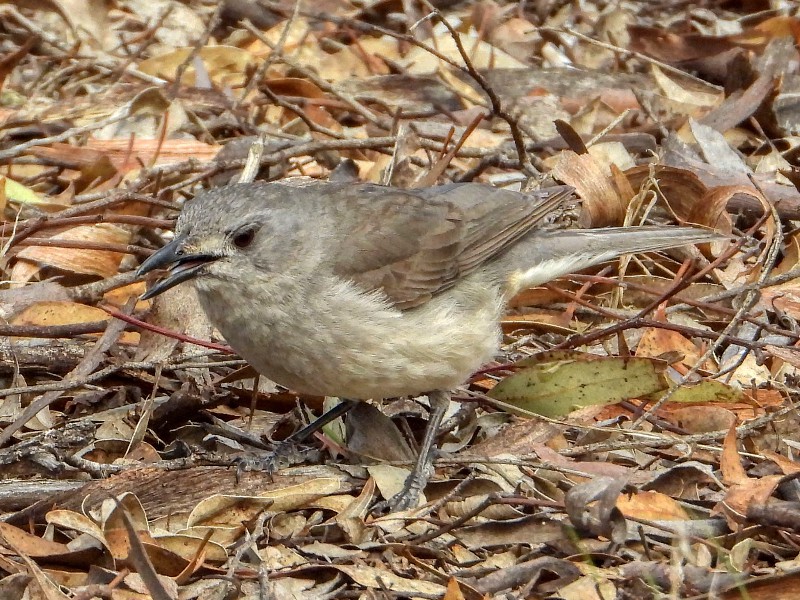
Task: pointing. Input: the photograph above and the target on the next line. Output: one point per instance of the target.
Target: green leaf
(16, 192)
(707, 390)
(563, 382)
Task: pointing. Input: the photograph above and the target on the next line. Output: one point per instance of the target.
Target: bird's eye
(244, 237)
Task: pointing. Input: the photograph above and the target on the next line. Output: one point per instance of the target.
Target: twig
(108, 200)
(52, 331)
(167, 332)
(655, 440)
(105, 63)
(626, 52)
(750, 299)
(321, 83)
(494, 99)
(196, 48)
(68, 384)
(55, 242)
(82, 370)
(19, 149)
(277, 51)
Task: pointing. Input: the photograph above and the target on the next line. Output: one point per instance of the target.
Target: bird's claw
(413, 487)
(285, 454)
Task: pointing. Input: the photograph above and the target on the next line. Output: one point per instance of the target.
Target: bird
(363, 291)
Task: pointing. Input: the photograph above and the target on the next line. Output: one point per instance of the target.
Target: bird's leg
(306, 432)
(423, 468)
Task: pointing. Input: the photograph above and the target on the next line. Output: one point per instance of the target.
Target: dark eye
(244, 237)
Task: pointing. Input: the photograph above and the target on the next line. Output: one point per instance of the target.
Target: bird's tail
(545, 255)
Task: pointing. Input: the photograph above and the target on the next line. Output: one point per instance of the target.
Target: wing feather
(413, 244)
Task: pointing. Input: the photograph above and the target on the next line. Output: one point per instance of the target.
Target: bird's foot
(285, 454)
(423, 467)
(415, 483)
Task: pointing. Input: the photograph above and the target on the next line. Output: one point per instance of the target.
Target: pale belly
(349, 344)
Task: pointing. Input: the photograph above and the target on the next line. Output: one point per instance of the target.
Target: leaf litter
(635, 440)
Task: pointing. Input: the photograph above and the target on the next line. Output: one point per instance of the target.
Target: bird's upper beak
(182, 266)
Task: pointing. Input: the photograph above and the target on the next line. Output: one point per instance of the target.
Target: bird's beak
(181, 266)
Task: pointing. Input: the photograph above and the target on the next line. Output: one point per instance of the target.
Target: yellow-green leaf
(16, 192)
(553, 388)
(708, 390)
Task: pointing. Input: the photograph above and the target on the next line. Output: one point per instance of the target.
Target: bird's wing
(413, 244)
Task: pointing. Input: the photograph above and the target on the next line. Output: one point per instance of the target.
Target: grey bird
(367, 292)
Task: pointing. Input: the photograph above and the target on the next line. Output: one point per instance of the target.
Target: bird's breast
(328, 337)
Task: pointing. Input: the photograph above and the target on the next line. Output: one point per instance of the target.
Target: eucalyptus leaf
(556, 388)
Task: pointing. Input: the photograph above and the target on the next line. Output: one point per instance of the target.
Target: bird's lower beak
(181, 266)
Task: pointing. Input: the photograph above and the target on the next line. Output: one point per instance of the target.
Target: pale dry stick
(91, 591)
(637, 321)
(274, 158)
(147, 38)
(727, 372)
(433, 144)
(249, 543)
(750, 299)
(297, 165)
(60, 386)
(212, 364)
(488, 501)
(53, 82)
(146, 413)
(400, 130)
(308, 147)
(438, 168)
(133, 187)
(253, 163)
(454, 493)
(96, 219)
(627, 52)
(87, 245)
(489, 161)
(534, 462)
(7, 245)
(528, 461)
(93, 291)
(19, 149)
(147, 35)
(650, 112)
(139, 559)
(739, 290)
(95, 469)
(608, 128)
(52, 331)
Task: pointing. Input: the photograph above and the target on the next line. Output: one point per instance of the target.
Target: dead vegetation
(652, 458)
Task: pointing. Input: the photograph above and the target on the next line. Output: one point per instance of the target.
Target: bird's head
(228, 234)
